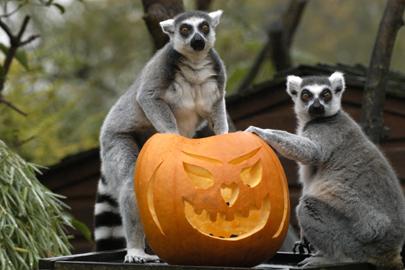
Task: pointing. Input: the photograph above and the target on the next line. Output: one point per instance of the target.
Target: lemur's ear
(215, 17)
(167, 27)
(337, 81)
(293, 85)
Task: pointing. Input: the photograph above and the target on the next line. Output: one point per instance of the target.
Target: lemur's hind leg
(132, 225)
(327, 230)
(119, 157)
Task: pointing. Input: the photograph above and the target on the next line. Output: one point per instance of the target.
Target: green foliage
(21, 55)
(82, 228)
(91, 51)
(71, 85)
(32, 219)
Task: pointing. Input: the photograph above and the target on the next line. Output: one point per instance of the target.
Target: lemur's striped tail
(108, 230)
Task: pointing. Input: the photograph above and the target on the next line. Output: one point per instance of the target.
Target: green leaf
(82, 228)
(20, 56)
(3, 48)
(60, 7)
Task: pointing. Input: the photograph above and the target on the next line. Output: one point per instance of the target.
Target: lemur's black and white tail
(108, 230)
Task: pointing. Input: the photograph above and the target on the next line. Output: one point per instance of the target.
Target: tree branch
(374, 91)
(279, 40)
(29, 40)
(156, 11)
(15, 43)
(13, 11)
(255, 68)
(6, 29)
(11, 106)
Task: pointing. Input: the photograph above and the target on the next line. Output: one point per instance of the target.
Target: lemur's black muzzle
(316, 109)
(197, 42)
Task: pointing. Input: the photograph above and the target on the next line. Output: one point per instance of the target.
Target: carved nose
(230, 193)
(197, 43)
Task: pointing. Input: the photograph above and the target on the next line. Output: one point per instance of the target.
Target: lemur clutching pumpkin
(352, 207)
(181, 87)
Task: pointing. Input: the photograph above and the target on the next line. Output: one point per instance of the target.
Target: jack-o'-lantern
(220, 200)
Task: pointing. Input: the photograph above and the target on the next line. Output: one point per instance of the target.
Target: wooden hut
(265, 105)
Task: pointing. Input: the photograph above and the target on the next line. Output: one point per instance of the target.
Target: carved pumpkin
(221, 200)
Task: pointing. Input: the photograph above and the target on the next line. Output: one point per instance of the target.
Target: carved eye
(306, 95)
(251, 176)
(326, 95)
(205, 28)
(199, 176)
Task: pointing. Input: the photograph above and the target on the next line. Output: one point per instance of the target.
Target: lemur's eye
(185, 30)
(205, 28)
(306, 95)
(326, 95)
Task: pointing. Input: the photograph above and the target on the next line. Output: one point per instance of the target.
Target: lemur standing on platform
(181, 87)
(352, 208)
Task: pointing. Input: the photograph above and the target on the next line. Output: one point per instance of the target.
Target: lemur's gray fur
(181, 87)
(352, 207)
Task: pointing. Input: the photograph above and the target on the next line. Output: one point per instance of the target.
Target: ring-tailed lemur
(181, 87)
(352, 208)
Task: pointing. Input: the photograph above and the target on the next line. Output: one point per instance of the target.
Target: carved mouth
(235, 228)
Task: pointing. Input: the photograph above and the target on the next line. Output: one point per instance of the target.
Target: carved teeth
(228, 226)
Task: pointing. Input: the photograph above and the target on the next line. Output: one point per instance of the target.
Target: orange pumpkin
(220, 200)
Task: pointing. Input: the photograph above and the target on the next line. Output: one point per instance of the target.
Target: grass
(33, 220)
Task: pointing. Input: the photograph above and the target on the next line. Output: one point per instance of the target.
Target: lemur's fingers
(255, 130)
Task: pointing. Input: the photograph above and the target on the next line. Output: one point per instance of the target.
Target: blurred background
(89, 54)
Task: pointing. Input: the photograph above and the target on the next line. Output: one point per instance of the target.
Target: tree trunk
(157, 11)
(281, 34)
(374, 92)
(203, 4)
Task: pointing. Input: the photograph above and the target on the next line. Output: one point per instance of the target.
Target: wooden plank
(257, 102)
(82, 209)
(80, 187)
(113, 261)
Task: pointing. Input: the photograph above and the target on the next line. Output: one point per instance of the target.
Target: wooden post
(157, 11)
(374, 91)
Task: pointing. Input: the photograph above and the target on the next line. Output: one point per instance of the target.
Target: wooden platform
(114, 261)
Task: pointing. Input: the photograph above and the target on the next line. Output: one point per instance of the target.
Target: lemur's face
(316, 96)
(192, 32)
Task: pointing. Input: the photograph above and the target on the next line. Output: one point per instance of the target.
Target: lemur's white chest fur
(192, 94)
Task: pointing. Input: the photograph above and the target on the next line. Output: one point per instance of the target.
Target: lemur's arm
(217, 119)
(157, 111)
(291, 146)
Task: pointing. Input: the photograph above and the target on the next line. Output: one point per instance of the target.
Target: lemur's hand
(172, 131)
(258, 131)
